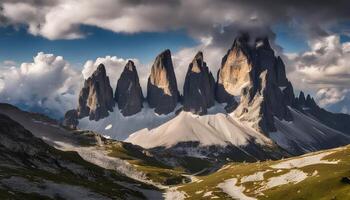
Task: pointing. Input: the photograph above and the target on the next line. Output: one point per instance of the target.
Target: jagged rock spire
(128, 93)
(301, 99)
(198, 87)
(252, 74)
(235, 72)
(96, 97)
(280, 70)
(162, 92)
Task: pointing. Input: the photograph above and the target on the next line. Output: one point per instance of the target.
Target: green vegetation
(150, 166)
(324, 184)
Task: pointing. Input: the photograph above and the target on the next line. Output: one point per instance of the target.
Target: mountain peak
(100, 70)
(162, 92)
(128, 93)
(130, 66)
(96, 97)
(199, 86)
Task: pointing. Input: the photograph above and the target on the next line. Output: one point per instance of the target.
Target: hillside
(31, 169)
(314, 176)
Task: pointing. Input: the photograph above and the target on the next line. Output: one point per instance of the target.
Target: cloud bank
(48, 84)
(324, 69)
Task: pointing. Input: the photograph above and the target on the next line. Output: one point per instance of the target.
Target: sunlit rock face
(162, 92)
(96, 97)
(128, 93)
(199, 87)
(235, 73)
(253, 84)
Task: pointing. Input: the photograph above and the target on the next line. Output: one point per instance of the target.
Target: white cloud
(61, 19)
(324, 69)
(114, 67)
(327, 96)
(48, 82)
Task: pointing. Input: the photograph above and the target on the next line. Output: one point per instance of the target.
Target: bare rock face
(162, 92)
(251, 74)
(235, 73)
(199, 87)
(280, 69)
(128, 93)
(96, 97)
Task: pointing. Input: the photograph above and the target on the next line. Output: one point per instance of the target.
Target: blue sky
(20, 46)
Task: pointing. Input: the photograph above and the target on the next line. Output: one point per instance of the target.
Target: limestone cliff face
(253, 76)
(96, 97)
(128, 93)
(198, 91)
(162, 92)
(235, 73)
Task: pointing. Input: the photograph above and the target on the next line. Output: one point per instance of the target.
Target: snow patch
(173, 194)
(293, 176)
(207, 194)
(305, 161)
(236, 192)
(109, 126)
(258, 176)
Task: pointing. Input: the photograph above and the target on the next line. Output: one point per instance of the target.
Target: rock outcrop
(128, 93)
(162, 92)
(199, 87)
(251, 75)
(96, 97)
(235, 73)
(71, 119)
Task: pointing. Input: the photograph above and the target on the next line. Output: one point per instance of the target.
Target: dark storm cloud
(197, 17)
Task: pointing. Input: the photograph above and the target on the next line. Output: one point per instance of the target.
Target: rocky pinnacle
(198, 91)
(128, 93)
(96, 97)
(162, 92)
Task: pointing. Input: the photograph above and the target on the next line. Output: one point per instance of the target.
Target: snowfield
(211, 129)
(119, 127)
(173, 194)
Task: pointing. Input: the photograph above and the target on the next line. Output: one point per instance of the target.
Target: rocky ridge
(251, 82)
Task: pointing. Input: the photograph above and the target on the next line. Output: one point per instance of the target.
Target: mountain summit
(96, 97)
(162, 92)
(199, 86)
(128, 93)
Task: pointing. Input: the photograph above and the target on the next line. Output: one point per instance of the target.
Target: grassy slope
(154, 170)
(325, 185)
